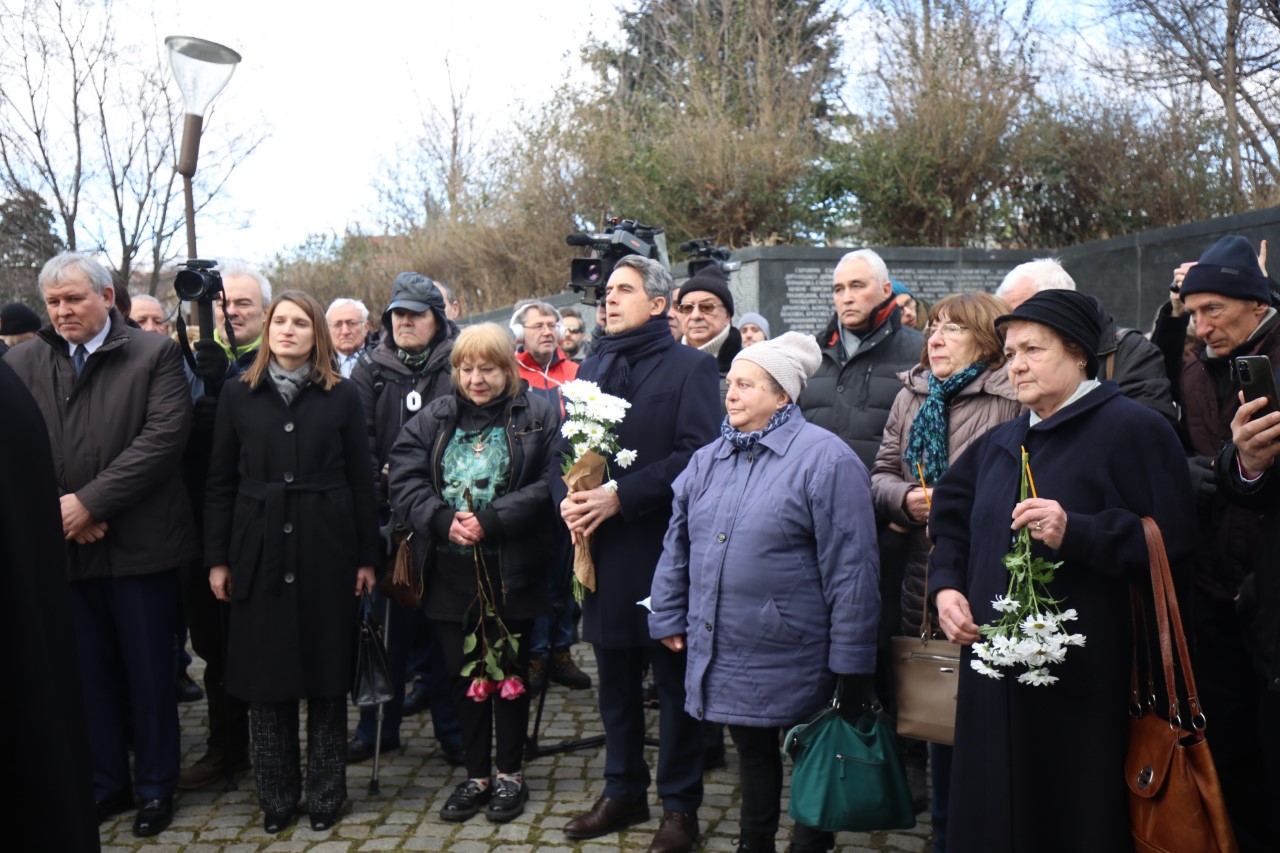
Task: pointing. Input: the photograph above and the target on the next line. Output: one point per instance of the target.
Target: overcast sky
(338, 91)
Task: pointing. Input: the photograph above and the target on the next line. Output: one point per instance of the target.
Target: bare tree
(93, 126)
(435, 175)
(1226, 49)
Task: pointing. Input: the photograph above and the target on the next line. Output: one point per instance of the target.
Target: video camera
(705, 253)
(621, 237)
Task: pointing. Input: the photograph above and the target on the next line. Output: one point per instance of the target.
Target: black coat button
(288, 476)
(288, 427)
(288, 527)
(288, 577)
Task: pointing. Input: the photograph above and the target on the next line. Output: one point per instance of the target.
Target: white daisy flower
(1037, 678)
(625, 458)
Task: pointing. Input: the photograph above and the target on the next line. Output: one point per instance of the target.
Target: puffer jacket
(769, 570)
(117, 433)
(986, 401)
(852, 398)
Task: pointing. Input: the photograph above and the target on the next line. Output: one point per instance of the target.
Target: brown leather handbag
(1175, 801)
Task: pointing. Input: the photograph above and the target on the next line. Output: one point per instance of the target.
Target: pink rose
(481, 689)
(512, 688)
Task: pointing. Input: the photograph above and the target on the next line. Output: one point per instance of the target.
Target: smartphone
(1257, 380)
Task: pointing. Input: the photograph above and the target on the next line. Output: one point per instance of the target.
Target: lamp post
(202, 68)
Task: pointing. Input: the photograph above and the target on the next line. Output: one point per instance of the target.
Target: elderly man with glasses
(706, 307)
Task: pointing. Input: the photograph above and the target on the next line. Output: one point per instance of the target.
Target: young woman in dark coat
(468, 475)
(1042, 767)
(291, 537)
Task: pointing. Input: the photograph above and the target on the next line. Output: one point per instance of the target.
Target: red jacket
(546, 381)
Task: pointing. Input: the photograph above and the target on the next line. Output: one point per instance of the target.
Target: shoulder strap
(375, 370)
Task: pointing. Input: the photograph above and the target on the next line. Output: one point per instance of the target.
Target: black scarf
(618, 353)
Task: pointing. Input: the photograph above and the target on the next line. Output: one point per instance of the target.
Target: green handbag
(848, 776)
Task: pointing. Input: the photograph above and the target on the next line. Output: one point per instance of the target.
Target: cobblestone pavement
(415, 782)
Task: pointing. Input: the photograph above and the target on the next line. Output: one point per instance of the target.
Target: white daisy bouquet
(592, 416)
(1031, 633)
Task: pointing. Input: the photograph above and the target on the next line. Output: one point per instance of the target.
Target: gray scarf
(289, 382)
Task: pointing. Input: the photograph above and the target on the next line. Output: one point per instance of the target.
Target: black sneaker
(508, 801)
(465, 801)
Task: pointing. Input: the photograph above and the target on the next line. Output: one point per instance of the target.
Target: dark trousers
(124, 639)
(940, 806)
(621, 696)
(207, 622)
(760, 778)
(1229, 695)
(409, 631)
(504, 721)
(276, 756)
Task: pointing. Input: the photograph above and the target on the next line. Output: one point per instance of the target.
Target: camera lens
(1242, 367)
(189, 285)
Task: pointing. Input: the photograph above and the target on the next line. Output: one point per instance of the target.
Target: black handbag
(371, 684)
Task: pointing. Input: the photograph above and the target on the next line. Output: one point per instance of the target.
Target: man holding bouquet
(673, 392)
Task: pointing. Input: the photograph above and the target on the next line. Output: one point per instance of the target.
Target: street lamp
(202, 68)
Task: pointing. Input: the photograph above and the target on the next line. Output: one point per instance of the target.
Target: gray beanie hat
(756, 319)
(790, 358)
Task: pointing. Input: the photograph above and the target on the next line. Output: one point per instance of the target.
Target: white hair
(342, 302)
(147, 297)
(872, 260)
(55, 270)
(234, 266)
(1043, 274)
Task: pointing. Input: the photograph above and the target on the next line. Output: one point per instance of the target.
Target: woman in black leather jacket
(468, 476)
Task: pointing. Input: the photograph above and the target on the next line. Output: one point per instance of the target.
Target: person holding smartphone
(1228, 300)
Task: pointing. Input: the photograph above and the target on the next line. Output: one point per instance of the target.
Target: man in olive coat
(117, 409)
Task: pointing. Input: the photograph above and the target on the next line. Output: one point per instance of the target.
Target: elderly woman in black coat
(468, 475)
(1042, 767)
(291, 536)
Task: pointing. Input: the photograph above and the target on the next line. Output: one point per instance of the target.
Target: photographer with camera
(218, 360)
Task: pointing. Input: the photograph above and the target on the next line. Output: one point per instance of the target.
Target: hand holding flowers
(1031, 632)
(592, 499)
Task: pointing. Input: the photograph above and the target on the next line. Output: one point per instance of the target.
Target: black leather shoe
(358, 750)
(606, 816)
(465, 801)
(154, 817)
(508, 800)
(112, 806)
(188, 690)
(416, 702)
(320, 821)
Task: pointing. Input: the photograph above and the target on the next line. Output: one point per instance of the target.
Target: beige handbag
(927, 674)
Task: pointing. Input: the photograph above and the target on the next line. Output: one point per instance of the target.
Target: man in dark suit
(117, 410)
(673, 391)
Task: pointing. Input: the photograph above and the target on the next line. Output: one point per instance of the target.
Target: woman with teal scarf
(955, 394)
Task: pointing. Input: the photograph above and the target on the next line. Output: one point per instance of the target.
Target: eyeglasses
(346, 324)
(541, 327)
(572, 331)
(707, 307)
(949, 330)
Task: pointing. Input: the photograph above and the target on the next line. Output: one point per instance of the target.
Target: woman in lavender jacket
(769, 574)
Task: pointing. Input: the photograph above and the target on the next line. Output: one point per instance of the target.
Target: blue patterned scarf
(927, 441)
(748, 440)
